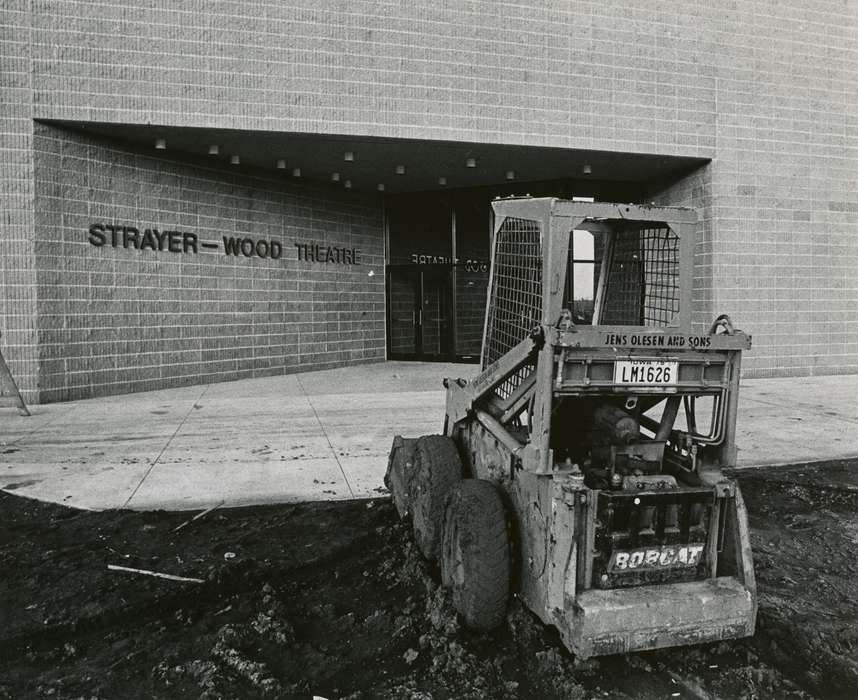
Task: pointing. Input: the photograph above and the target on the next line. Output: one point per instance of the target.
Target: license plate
(664, 557)
(645, 372)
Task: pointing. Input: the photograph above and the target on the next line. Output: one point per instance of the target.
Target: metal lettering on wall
(326, 254)
(118, 236)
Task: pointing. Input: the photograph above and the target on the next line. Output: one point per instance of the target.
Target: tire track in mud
(715, 671)
(223, 583)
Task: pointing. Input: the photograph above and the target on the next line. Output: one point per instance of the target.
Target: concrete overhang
(400, 165)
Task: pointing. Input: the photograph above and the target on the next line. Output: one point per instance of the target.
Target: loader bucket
(650, 617)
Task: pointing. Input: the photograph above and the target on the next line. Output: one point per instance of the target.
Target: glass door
(403, 300)
(434, 313)
(419, 312)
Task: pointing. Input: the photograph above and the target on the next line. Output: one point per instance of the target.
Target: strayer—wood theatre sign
(121, 236)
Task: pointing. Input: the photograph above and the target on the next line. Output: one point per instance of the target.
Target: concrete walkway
(321, 435)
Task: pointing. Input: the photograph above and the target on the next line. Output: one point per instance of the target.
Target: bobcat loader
(582, 469)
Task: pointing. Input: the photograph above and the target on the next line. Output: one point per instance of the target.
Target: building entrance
(437, 275)
(438, 265)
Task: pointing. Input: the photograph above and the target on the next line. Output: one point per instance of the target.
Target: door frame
(388, 315)
(448, 342)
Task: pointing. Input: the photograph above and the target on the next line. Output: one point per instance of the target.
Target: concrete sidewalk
(321, 435)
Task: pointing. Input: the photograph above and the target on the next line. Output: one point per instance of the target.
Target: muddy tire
(400, 469)
(475, 558)
(437, 469)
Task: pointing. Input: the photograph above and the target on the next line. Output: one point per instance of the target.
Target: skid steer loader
(582, 468)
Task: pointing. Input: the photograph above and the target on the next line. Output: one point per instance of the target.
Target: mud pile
(334, 600)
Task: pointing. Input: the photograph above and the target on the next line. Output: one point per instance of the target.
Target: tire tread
(481, 599)
(437, 466)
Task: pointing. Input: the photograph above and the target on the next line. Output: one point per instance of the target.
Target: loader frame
(570, 539)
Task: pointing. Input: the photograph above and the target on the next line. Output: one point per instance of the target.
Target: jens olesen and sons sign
(122, 236)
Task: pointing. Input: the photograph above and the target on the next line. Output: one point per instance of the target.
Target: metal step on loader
(581, 470)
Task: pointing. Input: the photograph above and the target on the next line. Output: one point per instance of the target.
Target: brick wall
(17, 272)
(766, 90)
(617, 75)
(695, 191)
(785, 185)
(116, 319)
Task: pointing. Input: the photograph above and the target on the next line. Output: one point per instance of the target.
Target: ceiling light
(510, 174)
(471, 163)
(381, 187)
(161, 144)
(348, 156)
(296, 172)
(281, 164)
(214, 149)
(587, 169)
(400, 170)
(234, 159)
(335, 177)
(347, 184)
(442, 180)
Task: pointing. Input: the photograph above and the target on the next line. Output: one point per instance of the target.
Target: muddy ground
(331, 599)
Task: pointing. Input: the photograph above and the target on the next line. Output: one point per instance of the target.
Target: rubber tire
(475, 555)
(437, 469)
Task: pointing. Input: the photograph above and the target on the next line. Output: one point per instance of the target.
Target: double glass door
(419, 312)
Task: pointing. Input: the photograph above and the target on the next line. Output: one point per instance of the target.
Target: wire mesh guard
(643, 278)
(515, 301)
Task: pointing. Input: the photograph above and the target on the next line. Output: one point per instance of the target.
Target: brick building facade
(744, 110)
